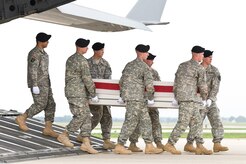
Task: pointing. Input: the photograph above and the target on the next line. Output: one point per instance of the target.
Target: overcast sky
(216, 25)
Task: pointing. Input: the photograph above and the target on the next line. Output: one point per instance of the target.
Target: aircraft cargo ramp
(16, 145)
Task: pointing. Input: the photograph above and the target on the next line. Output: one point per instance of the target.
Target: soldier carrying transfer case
(78, 87)
(153, 113)
(210, 110)
(100, 69)
(189, 78)
(136, 80)
(39, 83)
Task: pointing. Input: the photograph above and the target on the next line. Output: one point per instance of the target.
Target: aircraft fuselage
(12, 9)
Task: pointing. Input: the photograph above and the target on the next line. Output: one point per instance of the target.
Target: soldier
(39, 83)
(136, 78)
(211, 110)
(189, 78)
(78, 87)
(153, 113)
(100, 69)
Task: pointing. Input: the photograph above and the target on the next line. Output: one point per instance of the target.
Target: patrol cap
(42, 37)
(207, 53)
(98, 46)
(142, 48)
(82, 42)
(151, 56)
(197, 49)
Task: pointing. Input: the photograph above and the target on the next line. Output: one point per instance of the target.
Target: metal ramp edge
(16, 145)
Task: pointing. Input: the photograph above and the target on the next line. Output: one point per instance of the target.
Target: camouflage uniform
(154, 116)
(136, 77)
(212, 112)
(189, 78)
(79, 86)
(38, 75)
(102, 114)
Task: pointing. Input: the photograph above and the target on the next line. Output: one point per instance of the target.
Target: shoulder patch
(32, 59)
(219, 77)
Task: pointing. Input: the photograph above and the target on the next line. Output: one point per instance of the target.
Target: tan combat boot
(160, 145)
(120, 149)
(150, 149)
(48, 131)
(133, 147)
(86, 146)
(200, 149)
(21, 121)
(108, 144)
(171, 149)
(218, 147)
(63, 138)
(189, 148)
(79, 138)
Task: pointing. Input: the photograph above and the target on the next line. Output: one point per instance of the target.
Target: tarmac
(235, 155)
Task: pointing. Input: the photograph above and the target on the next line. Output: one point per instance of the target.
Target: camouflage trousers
(136, 116)
(79, 107)
(188, 111)
(101, 114)
(43, 102)
(213, 115)
(156, 127)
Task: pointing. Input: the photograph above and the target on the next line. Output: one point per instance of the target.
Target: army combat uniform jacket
(136, 79)
(213, 82)
(38, 68)
(78, 79)
(190, 79)
(100, 70)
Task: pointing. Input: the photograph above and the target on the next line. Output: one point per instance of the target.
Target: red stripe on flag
(163, 88)
(112, 86)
